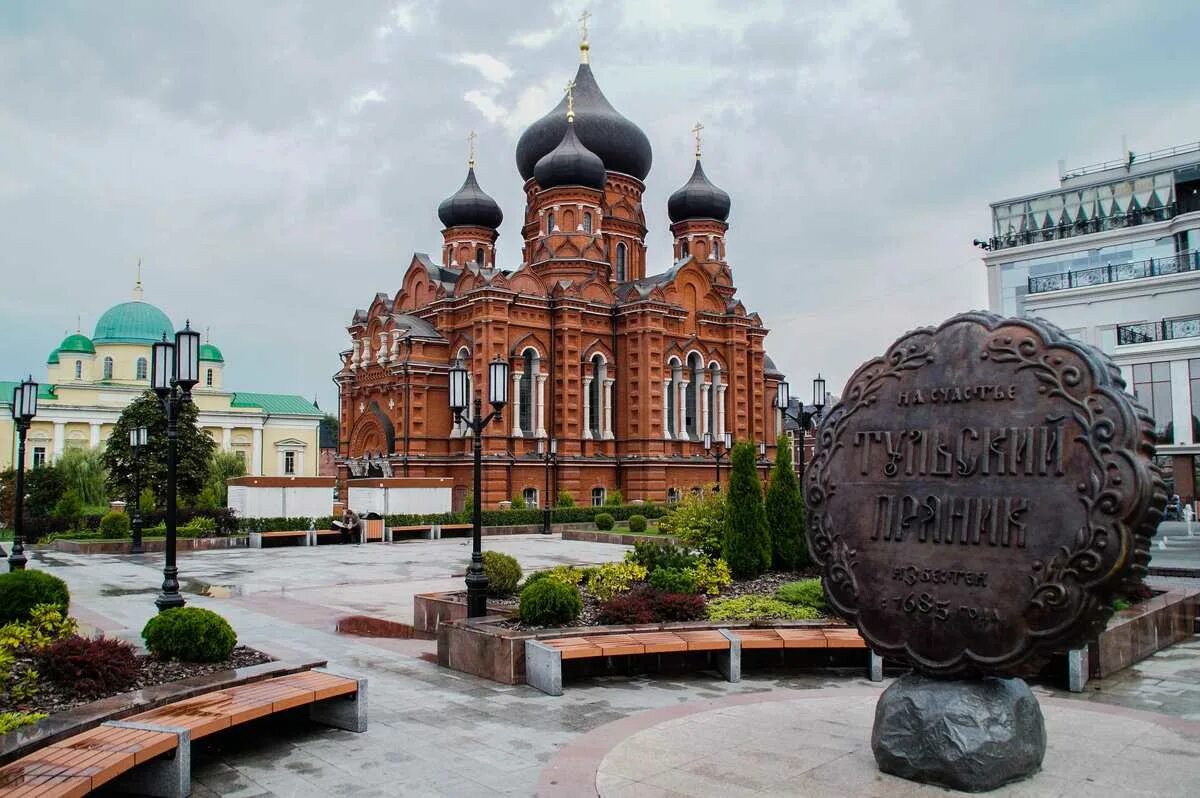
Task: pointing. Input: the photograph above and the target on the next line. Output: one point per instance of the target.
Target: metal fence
(1116, 272)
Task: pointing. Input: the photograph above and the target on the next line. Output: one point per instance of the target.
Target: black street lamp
(720, 451)
(549, 452)
(805, 419)
(24, 408)
(460, 389)
(174, 369)
(137, 441)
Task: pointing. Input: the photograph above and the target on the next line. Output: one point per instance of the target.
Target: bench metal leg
(543, 667)
(729, 663)
(435, 532)
(254, 540)
(1078, 669)
(875, 667)
(347, 712)
(167, 776)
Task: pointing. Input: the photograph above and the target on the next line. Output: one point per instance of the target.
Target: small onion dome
(470, 207)
(77, 342)
(621, 145)
(698, 199)
(570, 164)
(53, 359)
(210, 352)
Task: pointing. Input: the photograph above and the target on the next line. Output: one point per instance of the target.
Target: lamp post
(138, 437)
(805, 419)
(175, 368)
(720, 451)
(548, 449)
(460, 389)
(24, 408)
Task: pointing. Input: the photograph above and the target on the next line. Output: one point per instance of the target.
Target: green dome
(133, 323)
(210, 352)
(77, 343)
(53, 359)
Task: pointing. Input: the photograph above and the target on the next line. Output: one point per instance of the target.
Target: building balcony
(1116, 273)
(1035, 234)
(1178, 328)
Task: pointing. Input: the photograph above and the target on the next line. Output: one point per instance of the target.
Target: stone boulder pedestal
(970, 734)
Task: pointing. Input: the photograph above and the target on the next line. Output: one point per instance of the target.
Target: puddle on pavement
(126, 591)
(193, 586)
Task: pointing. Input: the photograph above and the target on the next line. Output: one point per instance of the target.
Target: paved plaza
(437, 732)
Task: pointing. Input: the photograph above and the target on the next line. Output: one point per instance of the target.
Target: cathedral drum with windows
(625, 371)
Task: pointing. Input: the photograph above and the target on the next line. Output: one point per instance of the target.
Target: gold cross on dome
(696, 132)
(570, 89)
(471, 148)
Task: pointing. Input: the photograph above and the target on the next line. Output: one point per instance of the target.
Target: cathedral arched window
(208, 377)
(108, 368)
(684, 249)
(479, 255)
(714, 379)
(529, 361)
(141, 368)
(691, 409)
(716, 249)
(549, 223)
(587, 222)
(79, 369)
(620, 263)
(595, 391)
(672, 404)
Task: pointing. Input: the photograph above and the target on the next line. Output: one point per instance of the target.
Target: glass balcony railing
(1164, 330)
(1116, 272)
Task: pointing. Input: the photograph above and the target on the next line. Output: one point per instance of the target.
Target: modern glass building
(1112, 255)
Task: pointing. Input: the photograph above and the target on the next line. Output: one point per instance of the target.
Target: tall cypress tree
(747, 541)
(785, 511)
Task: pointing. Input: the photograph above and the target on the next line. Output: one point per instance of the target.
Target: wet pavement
(438, 732)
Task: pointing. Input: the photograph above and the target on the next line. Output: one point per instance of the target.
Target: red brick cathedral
(623, 369)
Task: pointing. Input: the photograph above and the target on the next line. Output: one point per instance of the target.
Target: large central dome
(621, 144)
(132, 323)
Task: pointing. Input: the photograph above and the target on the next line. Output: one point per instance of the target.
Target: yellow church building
(89, 381)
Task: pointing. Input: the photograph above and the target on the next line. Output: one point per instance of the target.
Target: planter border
(123, 545)
(1135, 633)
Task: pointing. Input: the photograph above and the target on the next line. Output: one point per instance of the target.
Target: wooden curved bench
(150, 753)
(544, 658)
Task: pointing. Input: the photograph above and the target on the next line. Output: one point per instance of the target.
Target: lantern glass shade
(29, 397)
(781, 396)
(16, 402)
(554, 446)
(762, 450)
(459, 387)
(187, 356)
(818, 392)
(137, 436)
(498, 382)
(707, 441)
(727, 439)
(162, 365)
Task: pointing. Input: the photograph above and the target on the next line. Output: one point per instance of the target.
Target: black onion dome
(698, 199)
(621, 145)
(470, 206)
(570, 164)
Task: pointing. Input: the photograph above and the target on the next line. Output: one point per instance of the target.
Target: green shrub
(698, 520)
(518, 503)
(189, 634)
(1119, 604)
(199, 527)
(21, 591)
(613, 498)
(747, 542)
(607, 580)
(565, 499)
(805, 593)
(69, 508)
(785, 512)
(47, 624)
(604, 522)
(549, 602)
(503, 573)
(637, 524)
(565, 574)
(758, 608)
(710, 575)
(673, 580)
(654, 555)
(114, 525)
(15, 720)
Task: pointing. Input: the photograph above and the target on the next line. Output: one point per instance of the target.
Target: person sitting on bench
(351, 526)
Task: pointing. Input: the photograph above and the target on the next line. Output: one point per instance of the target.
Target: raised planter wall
(614, 536)
(1136, 633)
(433, 610)
(156, 544)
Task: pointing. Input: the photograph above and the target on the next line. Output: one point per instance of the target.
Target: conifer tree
(785, 512)
(747, 541)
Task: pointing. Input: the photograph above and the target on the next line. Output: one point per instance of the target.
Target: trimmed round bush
(98, 667)
(805, 593)
(21, 591)
(604, 522)
(114, 525)
(189, 634)
(503, 573)
(548, 602)
(673, 580)
(637, 523)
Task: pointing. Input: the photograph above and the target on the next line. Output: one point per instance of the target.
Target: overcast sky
(275, 164)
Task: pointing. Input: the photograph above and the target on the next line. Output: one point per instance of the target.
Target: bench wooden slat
(759, 638)
(660, 642)
(803, 638)
(323, 685)
(295, 533)
(614, 645)
(704, 640)
(844, 638)
(57, 786)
